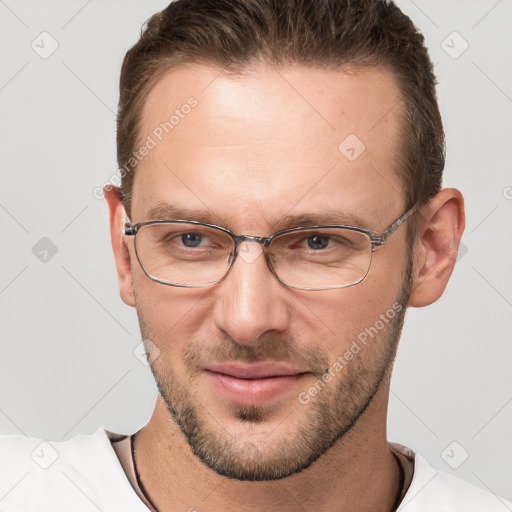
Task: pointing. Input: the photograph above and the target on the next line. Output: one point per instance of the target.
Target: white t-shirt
(84, 474)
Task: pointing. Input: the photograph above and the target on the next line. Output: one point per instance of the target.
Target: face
(261, 378)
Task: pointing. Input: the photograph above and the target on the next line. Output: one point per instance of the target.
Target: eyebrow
(336, 218)
(166, 211)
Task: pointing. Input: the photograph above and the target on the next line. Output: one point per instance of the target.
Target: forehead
(271, 141)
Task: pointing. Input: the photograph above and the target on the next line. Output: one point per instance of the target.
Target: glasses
(195, 255)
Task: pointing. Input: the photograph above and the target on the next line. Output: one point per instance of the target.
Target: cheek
(169, 314)
(336, 317)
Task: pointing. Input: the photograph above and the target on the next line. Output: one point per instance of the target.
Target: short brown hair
(236, 34)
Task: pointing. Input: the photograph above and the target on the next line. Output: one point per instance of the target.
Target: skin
(258, 147)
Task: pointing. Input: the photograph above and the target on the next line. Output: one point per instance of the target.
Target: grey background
(67, 364)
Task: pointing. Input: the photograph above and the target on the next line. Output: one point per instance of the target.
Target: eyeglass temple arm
(129, 229)
(381, 238)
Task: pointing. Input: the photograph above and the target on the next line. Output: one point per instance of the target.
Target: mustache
(268, 348)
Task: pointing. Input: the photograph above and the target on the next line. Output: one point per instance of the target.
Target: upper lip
(253, 371)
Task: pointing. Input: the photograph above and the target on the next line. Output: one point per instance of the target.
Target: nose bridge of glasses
(250, 252)
(248, 238)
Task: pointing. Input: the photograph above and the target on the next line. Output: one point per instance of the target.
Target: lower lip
(253, 391)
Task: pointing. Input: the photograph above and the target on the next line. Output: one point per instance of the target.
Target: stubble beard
(327, 418)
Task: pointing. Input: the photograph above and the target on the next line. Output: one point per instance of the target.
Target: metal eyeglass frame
(376, 240)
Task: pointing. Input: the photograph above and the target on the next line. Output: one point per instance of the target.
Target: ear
(440, 229)
(121, 253)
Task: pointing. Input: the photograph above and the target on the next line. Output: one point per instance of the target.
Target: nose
(251, 300)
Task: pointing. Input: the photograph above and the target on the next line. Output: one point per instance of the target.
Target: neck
(358, 473)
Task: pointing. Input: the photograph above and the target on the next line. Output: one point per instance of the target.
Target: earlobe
(440, 229)
(117, 217)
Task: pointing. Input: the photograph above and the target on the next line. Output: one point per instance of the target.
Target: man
(281, 206)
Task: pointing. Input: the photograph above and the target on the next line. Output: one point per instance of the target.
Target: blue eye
(317, 242)
(191, 239)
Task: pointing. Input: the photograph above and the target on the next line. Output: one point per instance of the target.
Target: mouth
(253, 384)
